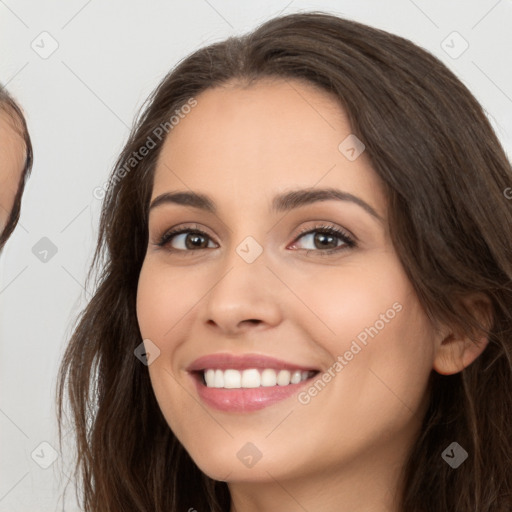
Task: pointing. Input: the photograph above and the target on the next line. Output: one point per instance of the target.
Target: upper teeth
(252, 378)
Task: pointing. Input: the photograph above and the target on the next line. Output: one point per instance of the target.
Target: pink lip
(243, 362)
(244, 399)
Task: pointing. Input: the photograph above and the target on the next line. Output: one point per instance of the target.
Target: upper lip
(225, 361)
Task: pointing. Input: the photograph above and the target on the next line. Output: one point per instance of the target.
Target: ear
(456, 350)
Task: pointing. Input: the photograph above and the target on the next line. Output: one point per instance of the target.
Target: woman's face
(267, 293)
(12, 154)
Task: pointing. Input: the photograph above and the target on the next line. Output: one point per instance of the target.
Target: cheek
(387, 356)
(164, 298)
(163, 301)
(368, 314)
(342, 303)
(167, 299)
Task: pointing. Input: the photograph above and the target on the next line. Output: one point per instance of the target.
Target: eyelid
(178, 229)
(348, 240)
(326, 226)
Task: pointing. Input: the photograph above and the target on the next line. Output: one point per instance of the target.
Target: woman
(304, 299)
(15, 163)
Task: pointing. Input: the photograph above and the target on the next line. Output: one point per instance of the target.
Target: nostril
(250, 321)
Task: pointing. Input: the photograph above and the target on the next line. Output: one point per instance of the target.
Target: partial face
(297, 313)
(12, 156)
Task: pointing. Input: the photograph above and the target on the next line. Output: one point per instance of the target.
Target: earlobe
(457, 351)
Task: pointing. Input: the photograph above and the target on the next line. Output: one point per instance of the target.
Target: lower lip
(245, 399)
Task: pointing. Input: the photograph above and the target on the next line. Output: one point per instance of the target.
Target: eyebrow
(281, 203)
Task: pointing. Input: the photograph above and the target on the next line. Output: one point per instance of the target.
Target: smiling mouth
(252, 377)
(244, 383)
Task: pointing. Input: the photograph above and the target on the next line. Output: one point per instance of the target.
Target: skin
(343, 450)
(12, 156)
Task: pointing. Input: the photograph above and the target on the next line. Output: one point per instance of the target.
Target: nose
(246, 297)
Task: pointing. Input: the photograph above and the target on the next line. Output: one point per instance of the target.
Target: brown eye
(326, 239)
(186, 239)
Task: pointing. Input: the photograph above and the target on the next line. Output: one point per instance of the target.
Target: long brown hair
(13, 111)
(444, 174)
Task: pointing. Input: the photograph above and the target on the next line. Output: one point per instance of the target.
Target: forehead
(273, 135)
(12, 156)
(11, 141)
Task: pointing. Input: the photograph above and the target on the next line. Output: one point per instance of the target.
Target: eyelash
(348, 241)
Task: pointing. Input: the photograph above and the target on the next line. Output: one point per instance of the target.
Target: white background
(80, 103)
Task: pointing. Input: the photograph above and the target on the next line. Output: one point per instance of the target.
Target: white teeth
(209, 377)
(268, 378)
(252, 378)
(232, 379)
(283, 378)
(219, 379)
(296, 377)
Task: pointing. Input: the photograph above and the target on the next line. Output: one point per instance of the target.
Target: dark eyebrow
(281, 203)
(193, 199)
(297, 198)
